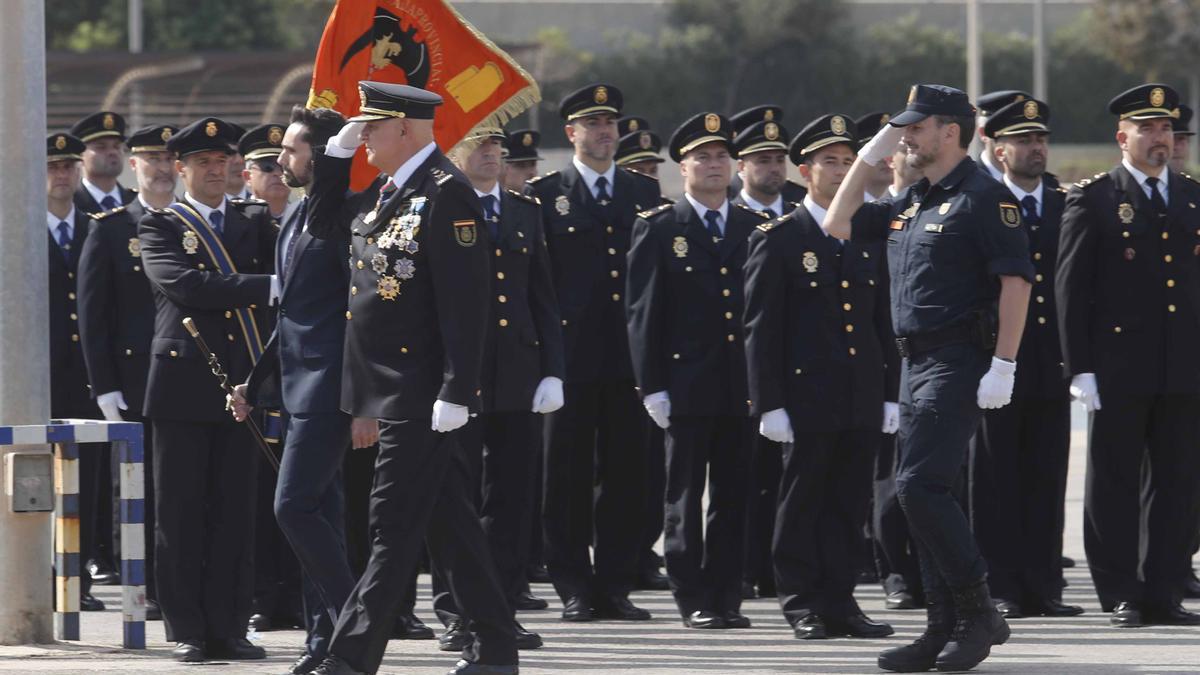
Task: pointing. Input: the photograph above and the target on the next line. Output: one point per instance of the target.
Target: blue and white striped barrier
(126, 439)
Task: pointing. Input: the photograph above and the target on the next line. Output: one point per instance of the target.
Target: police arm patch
(465, 232)
(1010, 214)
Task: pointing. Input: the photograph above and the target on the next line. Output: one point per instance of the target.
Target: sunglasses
(266, 165)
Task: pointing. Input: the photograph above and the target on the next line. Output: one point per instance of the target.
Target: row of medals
(402, 235)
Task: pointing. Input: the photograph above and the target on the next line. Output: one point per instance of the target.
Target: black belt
(914, 345)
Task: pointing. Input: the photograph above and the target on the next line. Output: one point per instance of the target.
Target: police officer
(684, 294)
(209, 259)
(743, 120)
(104, 135)
(818, 345)
(414, 343)
(1019, 455)
(1126, 288)
(261, 147)
(638, 148)
(116, 308)
(520, 159)
(69, 393)
(591, 495)
(988, 104)
(960, 270)
(762, 163)
(1181, 126)
(235, 181)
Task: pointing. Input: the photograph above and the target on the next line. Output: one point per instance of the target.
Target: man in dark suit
(103, 134)
(1019, 454)
(416, 329)
(116, 310)
(70, 395)
(823, 375)
(684, 294)
(1128, 293)
(209, 259)
(600, 433)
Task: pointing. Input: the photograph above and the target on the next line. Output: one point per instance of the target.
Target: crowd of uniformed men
(541, 373)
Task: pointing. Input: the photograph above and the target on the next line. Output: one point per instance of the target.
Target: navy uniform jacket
(69, 393)
(85, 201)
(947, 243)
(685, 295)
(1128, 289)
(588, 243)
(301, 367)
(1040, 362)
(528, 345)
(116, 307)
(819, 340)
(418, 287)
(181, 386)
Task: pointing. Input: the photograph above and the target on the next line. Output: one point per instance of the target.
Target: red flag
(426, 44)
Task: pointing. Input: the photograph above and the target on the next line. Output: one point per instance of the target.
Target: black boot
(922, 654)
(979, 626)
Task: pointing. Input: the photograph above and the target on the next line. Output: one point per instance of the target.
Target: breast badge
(191, 243)
(1125, 212)
(135, 247)
(810, 262)
(680, 247)
(562, 205)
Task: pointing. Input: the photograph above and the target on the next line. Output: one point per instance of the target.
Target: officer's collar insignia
(911, 210)
(680, 247)
(944, 209)
(1125, 212)
(1010, 215)
(464, 232)
(809, 261)
(562, 205)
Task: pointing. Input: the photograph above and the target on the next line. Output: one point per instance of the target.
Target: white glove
(1084, 390)
(448, 416)
(996, 386)
(775, 426)
(346, 142)
(658, 405)
(891, 417)
(549, 395)
(882, 145)
(276, 291)
(111, 404)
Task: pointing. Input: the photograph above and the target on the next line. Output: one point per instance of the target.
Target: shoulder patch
(650, 213)
(760, 214)
(1189, 177)
(111, 212)
(1093, 180)
(772, 224)
(537, 179)
(440, 177)
(524, 197)
(639, 173)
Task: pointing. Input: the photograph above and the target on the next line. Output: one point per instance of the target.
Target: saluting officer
(1128, 291)
(685, 296)
(103, 134)
(415, 333)
(116, 307)
(638, 148)
(960, 276)
(1019, 458)
(596, 445)
(209, 259)
(865, 128)
(819, 342)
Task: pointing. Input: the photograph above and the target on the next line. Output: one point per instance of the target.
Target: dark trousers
(204, 480)
(1164, 430)
(938, 416)
(656, 489)
(310, 509)
(895, 552)
(703, 551)
(277, 593)
(1019, 479)
(766, 470)
(421, 495)
(823, 502)
(590, 489)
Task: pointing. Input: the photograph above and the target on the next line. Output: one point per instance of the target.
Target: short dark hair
(320, 124)
(966, 128)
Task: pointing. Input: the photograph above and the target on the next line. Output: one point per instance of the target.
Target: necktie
(216, 219)
(490, 214)
(1029, 211)
(712, 217)
(108, 202)
(388, 189)
(602, 195)
(64, 239)
(771, 213)
(1156, 199)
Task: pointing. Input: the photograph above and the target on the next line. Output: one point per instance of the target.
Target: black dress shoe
(90, 603)
(332, 665)
(103, 574)
(235, 649)
(526, 639)
(1126, 615)
(409, 627)
(1067, 562)
(188, 651)
(857, 626)
(901, 600)
(703, 620)
(456, 638)
(1174, 615)
(735, 620)
(468, 668)
(1191, 587)
(153, 611)
(1049, 607)
(1009, 609)
(810, 627)
(620, 608)
(537, 574)
(528, 602)
(305, 664)
(650, 579)
(260, 623)
(577, 609)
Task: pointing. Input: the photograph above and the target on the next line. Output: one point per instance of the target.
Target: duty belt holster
(979, 330)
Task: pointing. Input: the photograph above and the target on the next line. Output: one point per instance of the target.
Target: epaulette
(1094, 179)
(104, 214)
(791, 205)
(1061, 189)
(247, 201)
(1189, 177)
(639, 173)
(525, 197)
(650, 213)
(760, 214)
(440, 177)
(772, 224)
(537, 179)
(161, 212)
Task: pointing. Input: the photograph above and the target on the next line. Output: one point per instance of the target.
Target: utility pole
(25, 545)
(974, 52)
(136, 99)
(1039, 50)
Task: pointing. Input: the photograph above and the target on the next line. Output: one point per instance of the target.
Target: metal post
(1039, 50)
(974, 49)
(1194, 101)
(137, 103)
(25, 544)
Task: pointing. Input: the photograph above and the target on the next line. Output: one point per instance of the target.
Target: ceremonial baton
(219, 373)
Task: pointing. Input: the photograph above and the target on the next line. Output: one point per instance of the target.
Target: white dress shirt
(99, 194)
(590, 176)
(407, 169)
(52, 222)
(1021, 194)
(1141, 180)
(776, 206)
(206, 211)
(702, 209)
